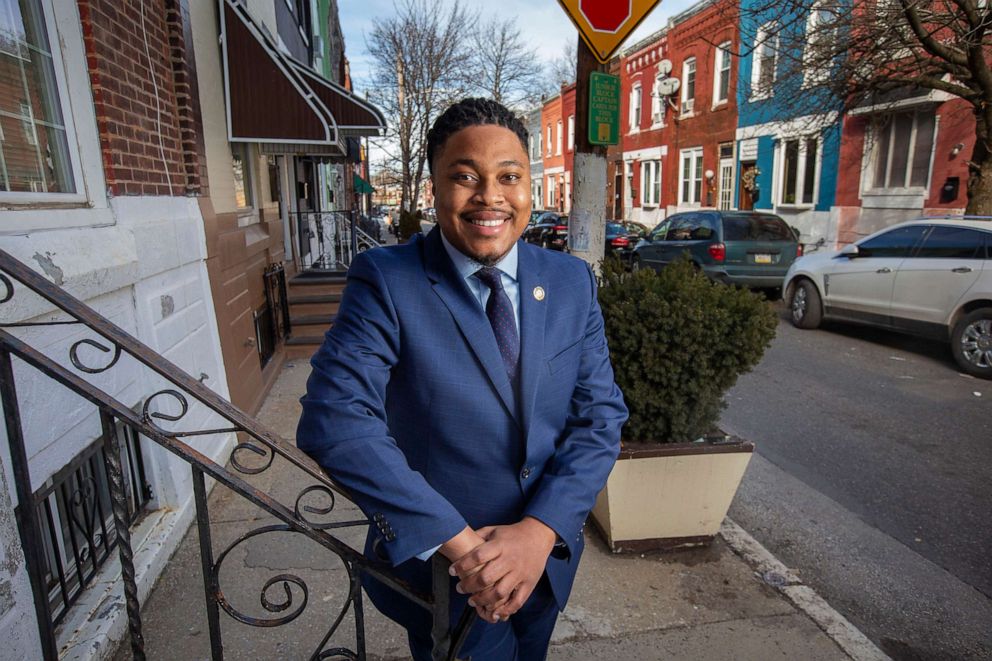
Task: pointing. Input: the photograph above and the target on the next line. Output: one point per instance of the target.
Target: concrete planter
(669, 496)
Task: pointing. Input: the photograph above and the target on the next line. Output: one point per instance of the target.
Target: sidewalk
(729, 601)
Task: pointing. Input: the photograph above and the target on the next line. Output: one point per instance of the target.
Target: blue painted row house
(788, 132)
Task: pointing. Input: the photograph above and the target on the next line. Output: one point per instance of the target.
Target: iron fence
(329, 240)
(308, 511)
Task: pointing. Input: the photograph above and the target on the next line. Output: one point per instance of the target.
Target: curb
(773, 572)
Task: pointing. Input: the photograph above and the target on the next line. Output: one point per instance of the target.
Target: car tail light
(718, 252)
(620, 242)
(561, 228)
(799, 250)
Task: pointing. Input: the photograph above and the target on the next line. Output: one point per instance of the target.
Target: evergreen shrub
(678, 341)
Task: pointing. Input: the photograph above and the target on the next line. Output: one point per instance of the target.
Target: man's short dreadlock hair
(471, 112)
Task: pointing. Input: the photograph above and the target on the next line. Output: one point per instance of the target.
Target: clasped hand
(503, 566)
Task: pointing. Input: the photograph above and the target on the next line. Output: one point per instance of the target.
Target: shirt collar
(466, 266)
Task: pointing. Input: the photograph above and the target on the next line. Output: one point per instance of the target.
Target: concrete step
(313, 298)
(303, 346)
(324, 320)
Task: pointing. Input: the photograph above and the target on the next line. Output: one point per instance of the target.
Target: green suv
(734, 247)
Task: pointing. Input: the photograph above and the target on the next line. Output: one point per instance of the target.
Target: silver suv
(930, 277)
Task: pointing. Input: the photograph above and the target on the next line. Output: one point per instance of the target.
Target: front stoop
(313, 305)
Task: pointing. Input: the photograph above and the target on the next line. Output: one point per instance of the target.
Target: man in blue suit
(465, 398)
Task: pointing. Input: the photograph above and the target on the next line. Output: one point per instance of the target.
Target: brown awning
(275, 101)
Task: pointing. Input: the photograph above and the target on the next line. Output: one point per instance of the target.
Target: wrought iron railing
(329, 240)
(310, 511)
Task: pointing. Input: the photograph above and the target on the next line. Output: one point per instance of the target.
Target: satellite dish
(668, 86)
(665, 67)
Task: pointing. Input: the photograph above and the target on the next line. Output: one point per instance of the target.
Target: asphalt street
(872, 479)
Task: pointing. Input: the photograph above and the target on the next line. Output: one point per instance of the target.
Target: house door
(748, 191)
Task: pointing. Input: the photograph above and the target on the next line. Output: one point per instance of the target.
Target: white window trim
(646, 197)
(721, 51)
(777, 188)
(868, 170)
(571, 133)
(558, 139)
(687, 107)
(694, 153)
(810, 77)
(657, 105)
(762, 40)
(549, 139)
(63, 31)
(634, 119)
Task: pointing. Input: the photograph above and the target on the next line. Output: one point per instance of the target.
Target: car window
(659, 232)
(691, 227)
(755, 227)
(953, 243)
(615, 228)
(897, 242)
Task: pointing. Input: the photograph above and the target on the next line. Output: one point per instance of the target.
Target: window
(241, 166)
(954, 243)
(567, 192)
(571, 132)
(726, 197)
(635, 108)
(650, 183)
(34, 151)
(755, 227)
(820, 36)
(550, 202)
(657, 103)
(558, 139)
(73, 510)
(549, 139)
(798, 158)
(763, 61)
(691, 227)
(688, 84)
(902, 146)
(721, 74)
(898, 242)
(691, 176)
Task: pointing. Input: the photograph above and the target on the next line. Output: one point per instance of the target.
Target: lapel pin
(539, 293)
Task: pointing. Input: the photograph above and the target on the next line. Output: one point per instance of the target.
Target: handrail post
(118, 504)
(27, 522)
(210, 585)
(354, 235)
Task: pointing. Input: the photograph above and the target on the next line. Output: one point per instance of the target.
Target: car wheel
(971, 343)
(805, 308)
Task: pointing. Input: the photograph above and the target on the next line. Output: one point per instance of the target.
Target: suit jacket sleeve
(343, 424)
(590, 442)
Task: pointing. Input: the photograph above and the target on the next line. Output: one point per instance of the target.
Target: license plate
(762, 259)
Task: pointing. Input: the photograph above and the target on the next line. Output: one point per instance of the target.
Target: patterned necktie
(500, 313)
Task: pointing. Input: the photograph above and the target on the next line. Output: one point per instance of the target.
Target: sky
(543, 23)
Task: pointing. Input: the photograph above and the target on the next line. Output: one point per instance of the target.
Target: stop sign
(605, 15)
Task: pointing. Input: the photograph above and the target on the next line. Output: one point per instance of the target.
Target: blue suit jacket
(409, 407)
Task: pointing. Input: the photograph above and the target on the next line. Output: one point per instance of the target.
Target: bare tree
(561, 70)
(878, 53)
(505, 68)
(420, 55)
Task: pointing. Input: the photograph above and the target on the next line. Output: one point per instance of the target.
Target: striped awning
(277, 101)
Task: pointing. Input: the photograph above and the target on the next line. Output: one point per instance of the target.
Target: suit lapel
(533, 311)
(468, 314)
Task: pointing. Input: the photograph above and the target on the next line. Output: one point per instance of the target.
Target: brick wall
(140, 62)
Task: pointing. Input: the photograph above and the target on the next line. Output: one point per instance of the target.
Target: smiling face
(482, 191)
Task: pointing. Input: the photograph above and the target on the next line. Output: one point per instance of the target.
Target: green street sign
(604, 108)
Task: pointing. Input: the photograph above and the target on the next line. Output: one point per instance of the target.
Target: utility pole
(586, 224)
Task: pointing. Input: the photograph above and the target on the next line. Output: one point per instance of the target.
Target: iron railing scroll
(309, 510)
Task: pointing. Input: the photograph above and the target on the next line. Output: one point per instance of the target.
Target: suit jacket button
(377, 517)
(524, 474)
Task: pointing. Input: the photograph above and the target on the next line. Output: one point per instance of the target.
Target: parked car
(620, 241)
(734, 247)
(547, 229)
(635, 228)
(929, 277)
